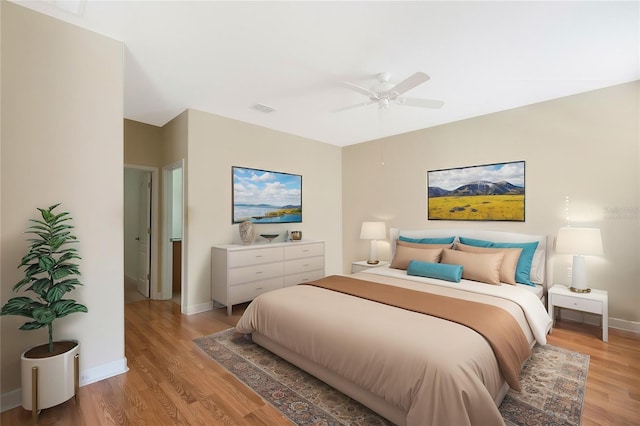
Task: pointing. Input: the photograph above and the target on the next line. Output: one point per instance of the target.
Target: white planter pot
(56, 382)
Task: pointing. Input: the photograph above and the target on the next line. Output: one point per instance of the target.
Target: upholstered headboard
(538, 268)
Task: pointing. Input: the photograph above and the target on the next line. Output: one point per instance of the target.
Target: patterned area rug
(553, 382)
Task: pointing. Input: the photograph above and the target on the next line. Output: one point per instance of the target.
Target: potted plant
(50, 272)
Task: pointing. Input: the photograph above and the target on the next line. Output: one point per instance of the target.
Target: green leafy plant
(50, 272)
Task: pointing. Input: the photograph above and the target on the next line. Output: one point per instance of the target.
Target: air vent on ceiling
(263, 108)
(76, 7)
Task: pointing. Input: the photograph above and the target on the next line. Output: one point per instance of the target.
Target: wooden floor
(171, 381)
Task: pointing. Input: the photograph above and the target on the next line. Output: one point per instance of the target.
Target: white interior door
(144, 234)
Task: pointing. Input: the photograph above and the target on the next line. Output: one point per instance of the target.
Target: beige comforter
(437, 371)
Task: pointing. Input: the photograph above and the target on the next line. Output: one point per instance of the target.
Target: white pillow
(537, 267)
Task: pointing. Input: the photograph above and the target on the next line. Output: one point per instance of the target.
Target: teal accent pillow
(441, 271)
(474, 242)
(445, 240)
(523, 269)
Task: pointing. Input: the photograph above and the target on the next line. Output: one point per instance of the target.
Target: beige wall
(175, 139)
(58, 147)
(216, 144)
(142, 144)
(585, 147)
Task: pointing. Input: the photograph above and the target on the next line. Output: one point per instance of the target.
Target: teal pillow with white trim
(441, 271)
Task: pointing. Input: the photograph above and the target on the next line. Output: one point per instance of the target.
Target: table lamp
(373, 231)
(579, 242)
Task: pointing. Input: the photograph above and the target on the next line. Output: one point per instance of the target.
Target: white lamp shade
(582, 241)
(373, 231)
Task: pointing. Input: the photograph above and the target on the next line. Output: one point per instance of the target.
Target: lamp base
(580, 290)
(579, 276)
(373, 262)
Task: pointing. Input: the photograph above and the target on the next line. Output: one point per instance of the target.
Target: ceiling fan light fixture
(383, 77)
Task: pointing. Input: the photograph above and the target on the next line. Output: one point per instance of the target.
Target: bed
(411, 368)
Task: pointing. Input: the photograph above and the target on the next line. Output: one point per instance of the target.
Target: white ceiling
(482, 57)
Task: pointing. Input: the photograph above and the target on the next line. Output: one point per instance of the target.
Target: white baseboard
(10, 400)
(104, 371)
(592, 319)
(196, 309)
(13, 399)
(620, 324)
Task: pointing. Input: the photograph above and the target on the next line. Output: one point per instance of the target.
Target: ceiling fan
(384, 93)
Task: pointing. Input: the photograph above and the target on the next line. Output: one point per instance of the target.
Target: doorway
(173, 245)
(140, 230)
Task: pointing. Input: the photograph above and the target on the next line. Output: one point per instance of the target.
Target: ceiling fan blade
(407, 84)
(422, 103)
(361, 104)
(359, 89)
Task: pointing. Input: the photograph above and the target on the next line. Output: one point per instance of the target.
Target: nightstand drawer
(593, 306)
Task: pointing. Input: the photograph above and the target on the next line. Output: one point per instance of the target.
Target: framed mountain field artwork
(264, 196)
(490, 192)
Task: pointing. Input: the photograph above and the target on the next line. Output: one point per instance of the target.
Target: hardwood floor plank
(613, 374)
(172, 382)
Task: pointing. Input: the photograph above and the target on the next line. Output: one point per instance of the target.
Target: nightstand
(595, 302)
(361, 265)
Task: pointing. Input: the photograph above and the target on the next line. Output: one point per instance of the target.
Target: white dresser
(240, 273)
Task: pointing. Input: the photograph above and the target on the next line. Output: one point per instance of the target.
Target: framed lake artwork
(263, 196)
(490, 192)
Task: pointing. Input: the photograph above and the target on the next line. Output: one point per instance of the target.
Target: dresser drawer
(246, 292)
(296, 250)
(253, 273)
(254, 256)
(240, 273)
(298, 266)
(593, 306)
(304, 277)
